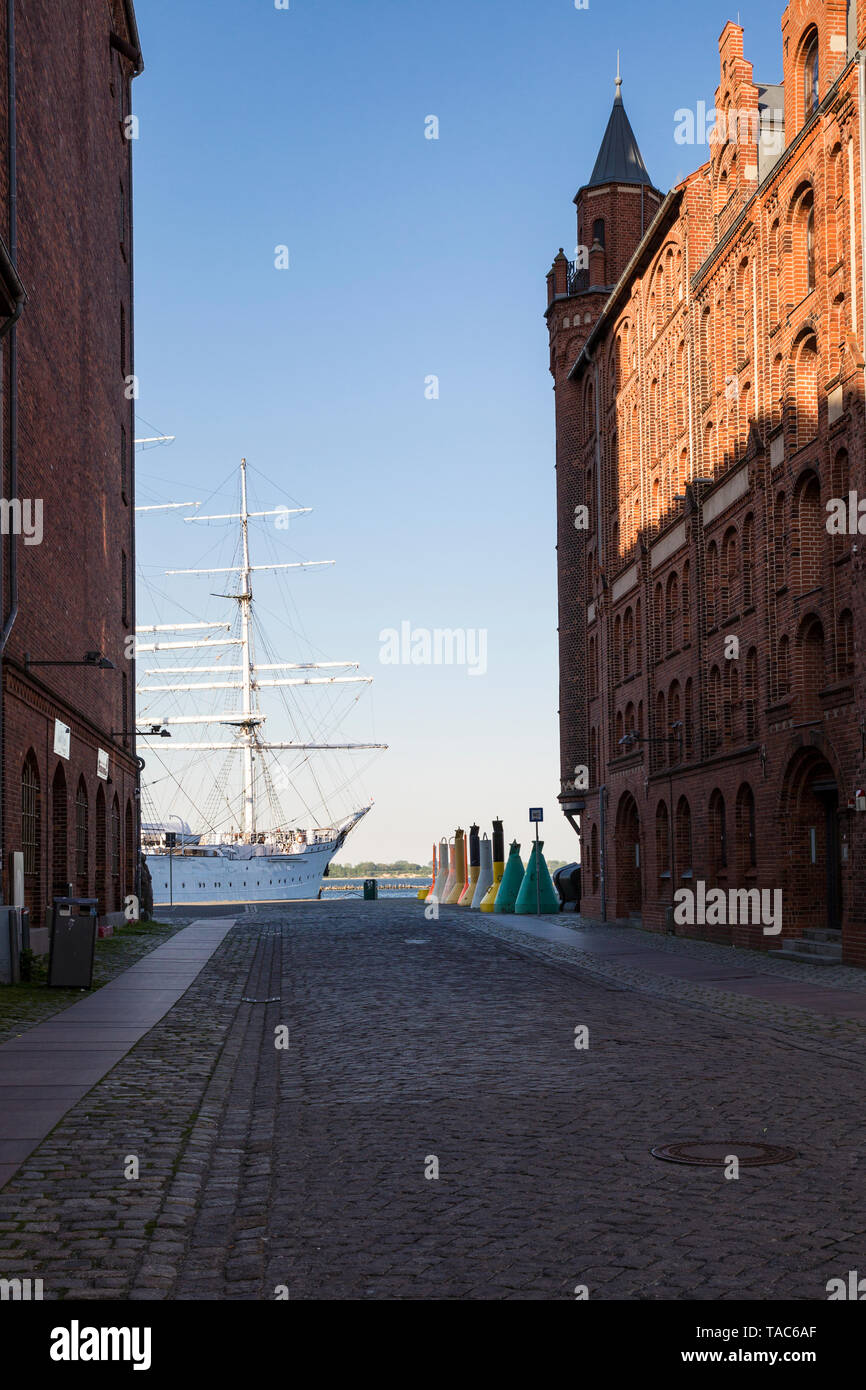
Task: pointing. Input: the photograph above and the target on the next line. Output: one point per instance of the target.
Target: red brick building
(69, 770)
(709, 383)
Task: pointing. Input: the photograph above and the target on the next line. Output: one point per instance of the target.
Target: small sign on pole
(536, 816)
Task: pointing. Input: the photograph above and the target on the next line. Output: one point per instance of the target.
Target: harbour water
(390, 887)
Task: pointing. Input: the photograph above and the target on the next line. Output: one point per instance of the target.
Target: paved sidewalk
(754, 984)
(47, 1069)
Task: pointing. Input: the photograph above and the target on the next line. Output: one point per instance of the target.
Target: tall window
(746, 829)
(115, 854)
(752, 694)
(663, 841)
(31, 815)
(811, 76)
(718, 832)
(82, 835)
(598, 231)
(684, 836)
(748, 560)
(124, 465)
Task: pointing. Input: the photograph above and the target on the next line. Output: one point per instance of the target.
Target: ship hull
(192, 879)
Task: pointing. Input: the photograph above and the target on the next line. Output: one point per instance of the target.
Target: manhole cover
(712, 1154)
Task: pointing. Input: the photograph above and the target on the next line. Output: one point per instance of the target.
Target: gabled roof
(619, 159)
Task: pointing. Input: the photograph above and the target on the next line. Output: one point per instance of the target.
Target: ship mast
(244, 598)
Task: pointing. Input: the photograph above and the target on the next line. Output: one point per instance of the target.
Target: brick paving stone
(306, 1167)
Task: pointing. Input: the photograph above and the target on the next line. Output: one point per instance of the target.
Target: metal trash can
(73, 939)
(371, 890)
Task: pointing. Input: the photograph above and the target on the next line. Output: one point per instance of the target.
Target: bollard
(474, 866)
(460, 871)
(442, 875)
(452, 872)
(537, 893)
(488, 902)
(485, 873)
(506, 897)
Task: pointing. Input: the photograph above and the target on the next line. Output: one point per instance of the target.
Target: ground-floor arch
(628, 856)
(809, 811)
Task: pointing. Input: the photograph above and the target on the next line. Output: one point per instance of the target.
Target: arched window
(805, 389)
(638, 639)
(675, 716)
(593, 757)
(686, 605)
(747, 850)
(748, 561)
(684, 836)
(784, 667)
(129, 849)
(598, 231)
(673, 613)
(712, 584)
(811, 675)
(628, 643)
(780, 540)
(59, 835)
(617, 649)
(82, 833)
(663, 842)
(845, 645)
(660, 621)
(707, 357)
(619, 733)
(730, 574)
(593, 857)
(752, 694)
(661, 746)
(688, 721)
(718, 833)
(773, 278)
(101, 884)
(840, 484)
(31, 833)
(629, 718)
(731, 711)
(115, 855)
(714, 708)
(811, 76)
(808, 533)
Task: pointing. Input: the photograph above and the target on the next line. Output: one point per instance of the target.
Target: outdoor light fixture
(155, 731)
(96, 659)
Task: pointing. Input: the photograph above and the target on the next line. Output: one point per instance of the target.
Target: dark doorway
(629, 899)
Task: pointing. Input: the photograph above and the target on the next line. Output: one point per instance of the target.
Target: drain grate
(274, 999)
(711, 1153)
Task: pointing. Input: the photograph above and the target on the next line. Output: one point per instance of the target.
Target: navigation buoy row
(489, 882)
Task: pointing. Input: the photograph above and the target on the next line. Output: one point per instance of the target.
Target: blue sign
(535, 814)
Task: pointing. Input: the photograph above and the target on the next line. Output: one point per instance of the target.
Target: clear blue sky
(409, 257)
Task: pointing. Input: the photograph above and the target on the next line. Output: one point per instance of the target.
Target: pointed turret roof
(619, 159)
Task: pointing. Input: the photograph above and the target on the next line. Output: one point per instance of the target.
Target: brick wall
(76, 429)
(729, 372)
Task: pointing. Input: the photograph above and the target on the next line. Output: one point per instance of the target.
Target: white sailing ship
(245, 850)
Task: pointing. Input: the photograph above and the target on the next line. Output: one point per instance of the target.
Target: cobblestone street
(412, 1041)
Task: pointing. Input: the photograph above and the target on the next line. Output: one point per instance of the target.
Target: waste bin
(371, 890)
(73, 938)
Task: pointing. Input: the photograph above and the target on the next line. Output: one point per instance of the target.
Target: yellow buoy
(489, 900)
